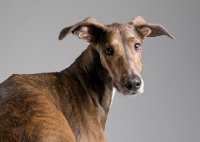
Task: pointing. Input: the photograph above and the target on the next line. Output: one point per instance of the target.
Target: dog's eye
(137, 46)
(109, 51)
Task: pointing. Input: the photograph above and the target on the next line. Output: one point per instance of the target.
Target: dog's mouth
(138, 92)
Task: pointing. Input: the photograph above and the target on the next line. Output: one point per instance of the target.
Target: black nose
(132, 83)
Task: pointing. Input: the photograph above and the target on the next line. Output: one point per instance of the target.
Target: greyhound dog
(72, 105)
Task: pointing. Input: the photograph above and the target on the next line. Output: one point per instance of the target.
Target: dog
(72, 105)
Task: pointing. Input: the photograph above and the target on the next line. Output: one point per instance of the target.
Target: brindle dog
(72, 105)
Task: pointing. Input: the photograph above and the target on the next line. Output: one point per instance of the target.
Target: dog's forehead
(122, 32)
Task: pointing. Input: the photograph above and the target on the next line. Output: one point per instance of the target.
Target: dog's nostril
(137, 84)
(129, 86)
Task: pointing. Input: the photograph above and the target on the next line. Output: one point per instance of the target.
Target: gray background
(168, 110)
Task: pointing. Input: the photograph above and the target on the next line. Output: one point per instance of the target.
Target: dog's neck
(94, 79)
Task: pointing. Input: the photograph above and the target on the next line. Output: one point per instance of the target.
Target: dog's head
(119, 47)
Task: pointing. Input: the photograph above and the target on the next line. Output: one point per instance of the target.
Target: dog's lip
(133, 93)
(130, 93)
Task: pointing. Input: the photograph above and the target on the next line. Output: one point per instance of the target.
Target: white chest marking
(113, 94)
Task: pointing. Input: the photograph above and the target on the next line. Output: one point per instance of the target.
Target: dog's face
(120, 52)
(119, 47)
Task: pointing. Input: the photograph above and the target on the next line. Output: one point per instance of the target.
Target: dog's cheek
(105, 64)
(138, 63)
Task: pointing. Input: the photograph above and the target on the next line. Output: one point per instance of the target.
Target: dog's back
(30, 109)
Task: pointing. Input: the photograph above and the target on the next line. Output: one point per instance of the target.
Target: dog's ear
(89, 29)
(149, 29)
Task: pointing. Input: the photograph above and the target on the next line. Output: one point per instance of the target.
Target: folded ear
(149, 29)
(89, 29)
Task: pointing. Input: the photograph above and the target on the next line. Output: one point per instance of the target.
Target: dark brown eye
(137, 46)
(109, 51)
